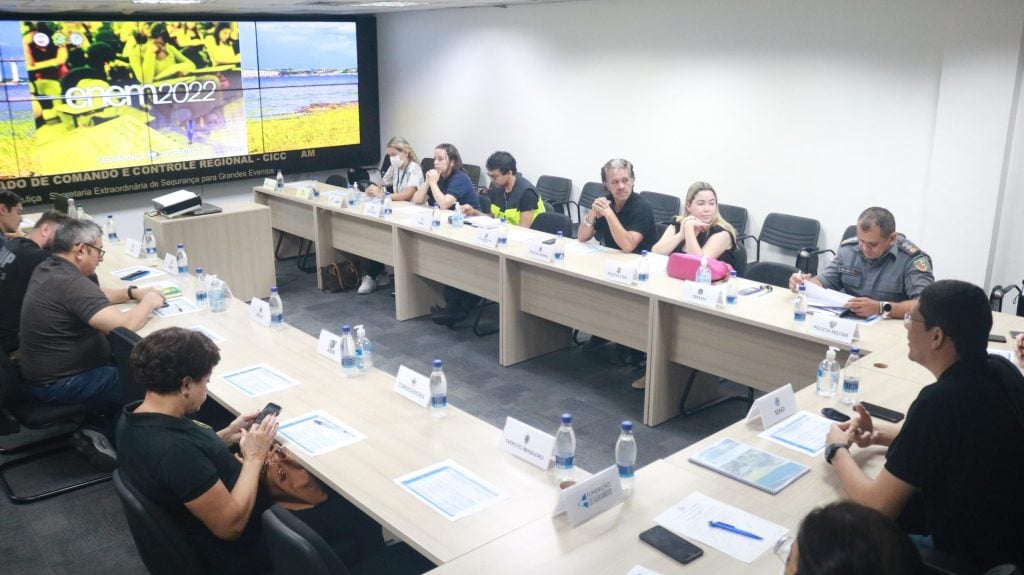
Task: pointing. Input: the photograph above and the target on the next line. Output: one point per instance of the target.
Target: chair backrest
(736, 216)
(161, 543)
(358, 175)
(427, 164)
(851, 231)
(122, 342)
(474, 173)
(10, 381)
(790, 232)
(547, 206)
(555, 190)
(741, 260)
(665, 206)
(772, 273)
(551, 222)
(590, 192)
(296, 548)
(337, 180)
(485, 203)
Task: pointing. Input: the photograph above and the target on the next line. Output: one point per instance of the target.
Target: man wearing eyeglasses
(65, 318)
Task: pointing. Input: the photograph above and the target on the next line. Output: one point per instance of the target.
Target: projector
(177, 203)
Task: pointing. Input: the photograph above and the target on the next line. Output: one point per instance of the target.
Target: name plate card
(834, 328)
(423, 220)
(270, 183)
(619, 272)
(373, 208)
(527, 443)
(133, 248)
(329, 346)
(541, 251)
(701, 294)
(773, 407)
(335, 199)
(413, 386)
(171, 264)
(487, 237)
(259, 311)
(304, 192)
(584, 501)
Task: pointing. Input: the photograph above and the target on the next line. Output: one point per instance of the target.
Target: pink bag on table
(685, 266)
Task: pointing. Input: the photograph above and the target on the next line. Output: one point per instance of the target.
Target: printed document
(258, 379)
(317, 433)
(451, 490)
(689, 518)
(760, 469)
(803, 431)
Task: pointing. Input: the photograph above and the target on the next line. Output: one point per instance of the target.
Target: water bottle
(316, 189)
(704, 272)
(625, 455)
(800, 308)
(72, 210)
(201, 295)
(503, 234)
(458, 218)
(80, 212)
(364, 350)
(565, 449)
(276, 310)
(386, 210)
(851, 377)
(349, 360)
(435, 220)
(732, 291)
(353, 195)
(559, 246)
(438, 392)
(218, 295)
(111, 230)
(182, 258)
(643, 268)
(149, 244)
(280, 181)
(828, 374)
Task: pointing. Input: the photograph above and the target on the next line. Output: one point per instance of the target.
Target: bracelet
(587, 222)
(130, 289)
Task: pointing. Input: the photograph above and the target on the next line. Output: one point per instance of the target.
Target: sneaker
(367, 286)
(96, 448)
(383, 279)
(640, 383)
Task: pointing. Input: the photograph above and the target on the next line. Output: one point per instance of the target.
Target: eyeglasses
(908, 320)
(782, 548)
(101, 251)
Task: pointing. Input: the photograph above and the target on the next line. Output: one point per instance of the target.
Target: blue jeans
(97, 386)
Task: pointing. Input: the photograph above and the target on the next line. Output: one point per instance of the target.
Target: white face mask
(396, 160)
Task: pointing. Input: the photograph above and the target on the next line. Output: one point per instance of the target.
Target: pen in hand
(731, 529)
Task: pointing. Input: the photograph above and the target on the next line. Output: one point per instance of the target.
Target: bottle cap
(181, 246)
(345, 329)
(803, 287)
(643, 253)
(149, 229)
(732, 273)
(559, 233)
(437, 363)
(627, 426)
(199, 270)
(830, 354)
(360, 331)
(855, 350)
(273, 289)
(566, 418)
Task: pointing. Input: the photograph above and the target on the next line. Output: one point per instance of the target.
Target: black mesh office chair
(591, 191)
(161, 543)
(427, 164)
(808, 260)
(736, 216)
(474, 174)
(339, 180)
(999, 293)
(485, 203)
(793, 233)
(296, 549)
(556, 191)
(551, 223)
(122, 342)
(666, 207)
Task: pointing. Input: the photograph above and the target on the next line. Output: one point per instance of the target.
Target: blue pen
(731, 529)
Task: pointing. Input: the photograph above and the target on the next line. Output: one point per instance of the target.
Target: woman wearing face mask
(404, 176)
(702, 231)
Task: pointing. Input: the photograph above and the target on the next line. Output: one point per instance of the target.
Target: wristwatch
(831, 450)
(884, 308)
(130, 290)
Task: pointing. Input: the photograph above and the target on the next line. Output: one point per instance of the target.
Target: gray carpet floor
(85, 532)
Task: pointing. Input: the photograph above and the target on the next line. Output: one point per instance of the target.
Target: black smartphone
(997, 338)
(882, 413)
(270, 409)
(749, 290)
(1014, 334)
(549, 242)
(671, 544)
(834, 415)
(134, 275)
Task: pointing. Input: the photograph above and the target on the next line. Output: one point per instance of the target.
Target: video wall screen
(99, 107)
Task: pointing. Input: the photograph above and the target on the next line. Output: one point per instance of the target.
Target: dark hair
(503, 162)
(51, 217)
(962, 310)
(74, 232)
(159, 30)
(216, 31)
(875, 216)
(617, 164)
(453, 156)
(845, 538)
(9, 199)
(164, 358)
(100, 53)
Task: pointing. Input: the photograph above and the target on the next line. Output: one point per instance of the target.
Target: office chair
(736, 216)
(338, 180)
(122, 341)
(556, 190)
(295, 548)
(485, 203)
(999, 293)
(552, 223)
(788, 232)
(804, 258)
(591, 191)
(426, 164)
(941, 563)
(161, 543)
(666, 207)
(35, 415)
(474, 174)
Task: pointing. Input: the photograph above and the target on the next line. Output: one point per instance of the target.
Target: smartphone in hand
(270, 409)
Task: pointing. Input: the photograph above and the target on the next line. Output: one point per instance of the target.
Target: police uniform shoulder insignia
(922, 264)
(907, 246)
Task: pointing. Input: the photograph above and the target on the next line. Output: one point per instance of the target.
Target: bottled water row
(830, 376)
(565, 452)
(356, 351)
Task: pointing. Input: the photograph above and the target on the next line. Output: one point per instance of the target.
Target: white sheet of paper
(125, 272)
(582, 248)
(689, 518)
(176, 306)
(258, 380)
(317, 433)
(518, 234)
(824, 297)
(208, 333)
(803, 431)
(641, 570)
(482, 222)
(450, 489)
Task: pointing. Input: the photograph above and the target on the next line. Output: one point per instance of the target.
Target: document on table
(582, 248)
(317, 433)
(210, 334)
(168, 288)
(803, 431)
(524, 235)
(826, 299)
(175, 307)
(137, 273)
(258, 379)
(690, 517)
(482, 222)
(451, 490)
(760, 469)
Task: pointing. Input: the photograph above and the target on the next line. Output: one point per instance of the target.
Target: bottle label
(730, 299)
(563, 462)
(799, 316)
(626, 471)
(276, 318)
(348, 362)
(200, 296)
(438, 401)
(851, 385)
(643, 278)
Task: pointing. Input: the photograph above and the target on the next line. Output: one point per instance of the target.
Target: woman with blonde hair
(701, 231)
(404, 176)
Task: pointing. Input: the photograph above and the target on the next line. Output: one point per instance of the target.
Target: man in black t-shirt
(622, 219)
(18, 259)
(953, 470)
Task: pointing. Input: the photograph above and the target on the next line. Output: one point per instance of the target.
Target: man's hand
(796, 279)
(863, 306)
(153, 299)
(600, 207)
(1020, 348)
(840, 433)
(140, 293)
(862, 427)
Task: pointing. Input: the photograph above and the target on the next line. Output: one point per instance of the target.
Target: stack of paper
(826, 299)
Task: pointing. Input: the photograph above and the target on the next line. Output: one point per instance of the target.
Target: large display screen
(93, 108)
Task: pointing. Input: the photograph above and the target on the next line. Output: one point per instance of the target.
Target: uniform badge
(922, 264)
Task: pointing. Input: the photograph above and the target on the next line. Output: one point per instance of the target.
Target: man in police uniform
(512, 196)
(882, 269)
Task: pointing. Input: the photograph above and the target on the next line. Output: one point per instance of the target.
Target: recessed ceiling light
(387, 4)
(166, 1)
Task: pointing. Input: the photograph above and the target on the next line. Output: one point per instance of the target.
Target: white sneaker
(383, 279)
(367, 286)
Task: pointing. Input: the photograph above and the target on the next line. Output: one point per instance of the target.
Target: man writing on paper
(512, 196)
(622, 219)
(882, 269)
(953, 470)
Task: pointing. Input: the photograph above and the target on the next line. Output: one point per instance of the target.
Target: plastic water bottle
(80, 212)
(276, 310)
(353, 195)
(732, 291)
(643, 268)
(202, 301)
(316, 189)
(280, 181)
(800, 308)
(111, 230)
(559, 246)
(364, 350)
(438, 392)
(72, 210)
(435, 219)
(565, 449)
(149, 244)
(851, 377)
(458, 219)
(625, 455)
(386, 210)
(349, 360)
(704, 272)
(218, 295)
(182, 258)
(503, 234)
(828, 374)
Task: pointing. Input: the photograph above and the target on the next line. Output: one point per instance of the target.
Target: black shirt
(636, 216)
(962, 445)
(18, 258)
(728, 256)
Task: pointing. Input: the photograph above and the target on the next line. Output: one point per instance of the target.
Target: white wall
(813, 107)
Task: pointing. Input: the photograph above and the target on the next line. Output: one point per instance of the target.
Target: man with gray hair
(622, 219)
(882, 269)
